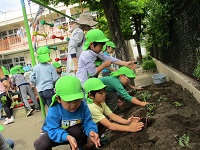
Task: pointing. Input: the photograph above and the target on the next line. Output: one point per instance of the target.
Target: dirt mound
(174, 121)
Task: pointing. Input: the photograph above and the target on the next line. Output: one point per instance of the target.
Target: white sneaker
(9, 121)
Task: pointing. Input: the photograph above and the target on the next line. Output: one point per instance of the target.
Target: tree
(112, 16)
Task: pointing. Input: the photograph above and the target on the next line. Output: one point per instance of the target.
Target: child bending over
(96, 95)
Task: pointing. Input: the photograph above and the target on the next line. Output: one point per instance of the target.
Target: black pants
(45, 143)
(7, 105)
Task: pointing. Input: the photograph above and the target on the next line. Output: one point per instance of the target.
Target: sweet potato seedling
(183, 140)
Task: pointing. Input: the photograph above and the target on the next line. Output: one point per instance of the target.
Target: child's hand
(144, 103)
(129, 120)
(131, 65)
(135, 125)
(72, 142)
(107, 63)
(95, 138)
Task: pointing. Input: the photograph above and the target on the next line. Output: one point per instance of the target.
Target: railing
(13, 42)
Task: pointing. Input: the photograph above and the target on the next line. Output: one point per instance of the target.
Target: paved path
(25, 130)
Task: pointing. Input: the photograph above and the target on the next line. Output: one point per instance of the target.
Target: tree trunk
(138, 30)
(111, 14)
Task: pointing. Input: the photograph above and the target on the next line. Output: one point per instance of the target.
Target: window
(4, 33)
(21, 58)
(16, 60)
(10, 32)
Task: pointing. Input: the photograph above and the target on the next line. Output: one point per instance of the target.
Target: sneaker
(37, 109)
(9, 121)
(29, 112)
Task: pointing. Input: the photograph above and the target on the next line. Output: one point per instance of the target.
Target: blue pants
(47, 96)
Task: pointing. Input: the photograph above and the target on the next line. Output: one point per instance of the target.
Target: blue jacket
(58, 120)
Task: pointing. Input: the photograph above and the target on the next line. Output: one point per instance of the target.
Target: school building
(14, 47)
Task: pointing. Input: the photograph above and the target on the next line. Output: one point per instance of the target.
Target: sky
(9, 5)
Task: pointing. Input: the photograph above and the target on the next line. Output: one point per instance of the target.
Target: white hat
(86, 18)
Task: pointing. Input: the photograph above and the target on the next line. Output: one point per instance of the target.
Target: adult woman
(77, 39)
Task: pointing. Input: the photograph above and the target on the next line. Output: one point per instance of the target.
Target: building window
(16, 60)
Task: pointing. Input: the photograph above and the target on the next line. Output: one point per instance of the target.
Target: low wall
(179, 78)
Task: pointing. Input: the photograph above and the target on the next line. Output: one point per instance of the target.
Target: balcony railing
(21, 42)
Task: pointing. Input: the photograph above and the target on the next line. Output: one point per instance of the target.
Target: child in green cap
(115, 85)
(24, 89)
(108, 49)
(68, 120)
(44, 75)
(101, 113)
(4, 80)
(58, 68)
(95, 39)
(5, 98)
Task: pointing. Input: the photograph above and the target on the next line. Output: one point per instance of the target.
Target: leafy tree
(112, 17)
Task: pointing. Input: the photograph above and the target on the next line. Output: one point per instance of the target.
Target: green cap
(43, 54)
(19, 69)
(92, 84)
(94, 35)
(56, 64)
(124, 70)
(68, 88)
(13, 70)
(1, 128)
(5, 71)
(109, 43)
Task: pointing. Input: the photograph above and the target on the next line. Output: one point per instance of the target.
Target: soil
(165, 122)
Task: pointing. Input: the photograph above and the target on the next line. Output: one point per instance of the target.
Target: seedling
(150, 108)
(177, 104)
(144, 95)
(161, 98)
(183, 140)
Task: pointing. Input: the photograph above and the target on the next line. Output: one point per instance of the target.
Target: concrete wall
(179, 78)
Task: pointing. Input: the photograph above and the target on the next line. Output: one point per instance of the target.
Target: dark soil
(166, 121)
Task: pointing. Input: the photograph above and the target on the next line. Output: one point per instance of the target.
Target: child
(5, 144)
(44, 75)
(5, 98)
(95, 39)
(27, 75)
(58, 68)
(115, 83)
(68, 120)
(108, 49)
(4, 80)
(77, 38)
(95, 91)
(24, 89)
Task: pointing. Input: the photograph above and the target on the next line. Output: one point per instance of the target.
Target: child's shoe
(9, 121)
(29, 112)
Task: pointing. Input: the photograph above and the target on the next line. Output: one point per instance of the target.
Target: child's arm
(134, 87)
(134, 126)
(123, 93)
(118, 119)
(129, 64)
(105, 64)
(111, 69)
(135, 101)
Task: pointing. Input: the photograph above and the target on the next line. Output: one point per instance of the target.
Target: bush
(148, 65)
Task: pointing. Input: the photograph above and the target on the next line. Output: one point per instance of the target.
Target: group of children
(71, 120)
(16, 80)
(81, 106)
